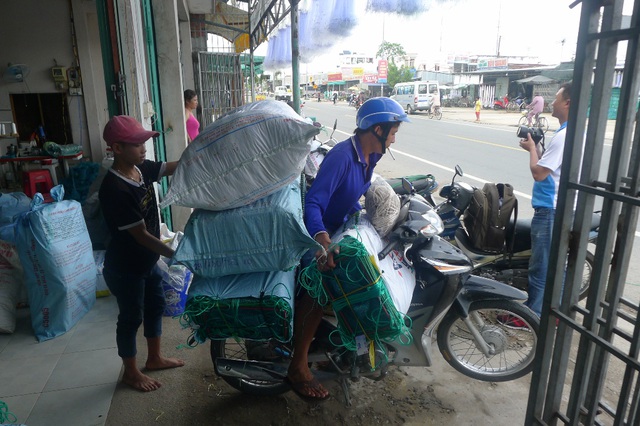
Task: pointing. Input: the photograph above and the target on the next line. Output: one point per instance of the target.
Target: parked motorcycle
(468, 312)
(509, 267)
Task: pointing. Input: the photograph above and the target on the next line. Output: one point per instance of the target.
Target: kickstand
(345, 389)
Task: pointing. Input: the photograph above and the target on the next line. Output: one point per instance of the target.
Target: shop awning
(536, 79)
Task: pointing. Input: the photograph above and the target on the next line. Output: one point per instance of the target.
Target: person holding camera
(545, 162)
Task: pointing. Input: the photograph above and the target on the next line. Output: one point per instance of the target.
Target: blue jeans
(140, 300)
(541, 231)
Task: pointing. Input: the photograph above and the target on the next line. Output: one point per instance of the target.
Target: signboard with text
(334, 77)
(370, 78)
(493, 63)
(382, 71)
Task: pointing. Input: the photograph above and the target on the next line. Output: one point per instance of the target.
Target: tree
(390, 51)
(398, 75)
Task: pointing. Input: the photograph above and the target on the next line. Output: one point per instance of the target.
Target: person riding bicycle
(535, 108)
(344, 176)
(435, 104)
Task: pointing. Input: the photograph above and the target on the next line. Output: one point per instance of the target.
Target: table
(14, 161)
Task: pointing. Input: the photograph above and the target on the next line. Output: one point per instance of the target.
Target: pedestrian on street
(478, 108)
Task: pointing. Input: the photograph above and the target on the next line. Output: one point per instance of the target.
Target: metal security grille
(587, 368)
(219, 84)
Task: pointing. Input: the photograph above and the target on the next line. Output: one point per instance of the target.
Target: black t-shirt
(126, 204)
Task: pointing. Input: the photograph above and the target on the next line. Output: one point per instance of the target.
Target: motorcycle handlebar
(388, 248)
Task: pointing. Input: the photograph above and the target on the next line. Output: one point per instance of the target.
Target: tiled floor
(67, 380)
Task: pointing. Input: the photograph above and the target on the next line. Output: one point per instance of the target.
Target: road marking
(486, 143)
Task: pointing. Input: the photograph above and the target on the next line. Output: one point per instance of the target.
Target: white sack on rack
(243, 156)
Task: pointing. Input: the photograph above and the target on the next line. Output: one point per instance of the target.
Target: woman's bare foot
(163, 363)
(140, 381)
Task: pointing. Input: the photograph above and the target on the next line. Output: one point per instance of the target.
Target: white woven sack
(243, 156)
(399, 276)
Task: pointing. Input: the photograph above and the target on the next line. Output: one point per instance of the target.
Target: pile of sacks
(246, 235)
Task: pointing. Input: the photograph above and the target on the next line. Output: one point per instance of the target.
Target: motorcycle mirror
(458, 172)
(407, 186)
(335, 125)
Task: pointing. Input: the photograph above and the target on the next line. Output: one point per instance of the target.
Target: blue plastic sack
(11, 205)
(59, 270)
(267, 235)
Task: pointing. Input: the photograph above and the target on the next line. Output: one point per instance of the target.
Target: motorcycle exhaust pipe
(253, 370)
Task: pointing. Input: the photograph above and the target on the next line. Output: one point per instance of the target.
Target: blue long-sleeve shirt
(342, 179)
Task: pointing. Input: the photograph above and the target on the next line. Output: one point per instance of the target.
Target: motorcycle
(501, 103)
(511, 267)
(468, 312)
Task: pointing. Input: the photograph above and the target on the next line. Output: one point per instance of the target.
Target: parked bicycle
(538, 121)
(435, 112)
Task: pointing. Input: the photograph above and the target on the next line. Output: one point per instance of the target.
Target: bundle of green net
(358, 295)
(268, 317)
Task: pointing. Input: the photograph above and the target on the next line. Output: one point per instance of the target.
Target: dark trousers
(140, 301)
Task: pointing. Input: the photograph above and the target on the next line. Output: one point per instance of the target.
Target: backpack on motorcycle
(488, 217)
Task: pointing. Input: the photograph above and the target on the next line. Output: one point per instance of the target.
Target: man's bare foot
(163, 363)
(141, 382)
(306, 386)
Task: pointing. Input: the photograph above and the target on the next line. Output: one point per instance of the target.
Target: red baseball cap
(122, 128)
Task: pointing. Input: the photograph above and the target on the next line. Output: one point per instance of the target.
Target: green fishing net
(358, 295)
(268, 317)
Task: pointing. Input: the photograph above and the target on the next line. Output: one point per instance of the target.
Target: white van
(416, 95)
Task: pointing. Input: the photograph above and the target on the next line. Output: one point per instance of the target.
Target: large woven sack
(257, 306)
(243, 156)
(266, 235)
(59, 270)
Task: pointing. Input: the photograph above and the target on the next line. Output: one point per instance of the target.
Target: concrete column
(134, 61)
(165, 15)
(89, 113)
(186, 57)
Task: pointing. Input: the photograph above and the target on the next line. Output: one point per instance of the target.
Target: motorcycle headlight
(434, 224)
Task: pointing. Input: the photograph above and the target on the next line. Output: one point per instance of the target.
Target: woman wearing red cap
(128, 202)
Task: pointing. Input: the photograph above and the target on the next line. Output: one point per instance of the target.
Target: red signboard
(370, 78)
(334, 77)
(382, 71)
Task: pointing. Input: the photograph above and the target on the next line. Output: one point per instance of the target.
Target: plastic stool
(37, 181)
(53, 171)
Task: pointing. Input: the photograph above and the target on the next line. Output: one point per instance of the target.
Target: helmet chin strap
(382, 139)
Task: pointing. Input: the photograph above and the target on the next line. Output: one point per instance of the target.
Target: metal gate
(219, 82)
(595, 379)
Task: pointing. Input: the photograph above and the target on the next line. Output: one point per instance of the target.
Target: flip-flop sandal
(298, 388)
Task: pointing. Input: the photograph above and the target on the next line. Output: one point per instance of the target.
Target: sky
(547, 29)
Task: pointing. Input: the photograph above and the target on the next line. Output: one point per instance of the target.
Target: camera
(536, 133)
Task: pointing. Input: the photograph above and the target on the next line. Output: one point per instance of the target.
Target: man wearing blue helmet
(344, 176)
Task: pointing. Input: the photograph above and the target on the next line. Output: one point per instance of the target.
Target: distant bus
(416, 95)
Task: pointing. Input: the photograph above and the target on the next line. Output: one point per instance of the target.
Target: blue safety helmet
(379, 110)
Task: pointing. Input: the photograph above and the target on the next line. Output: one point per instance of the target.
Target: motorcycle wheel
(586, 275)
(237, 349)
(438, 114)
(514, 349)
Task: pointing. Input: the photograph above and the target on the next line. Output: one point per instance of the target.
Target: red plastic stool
(37, 181)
